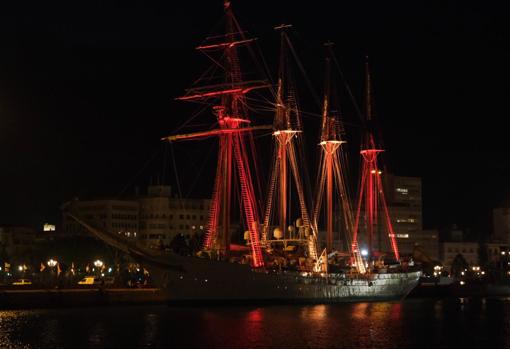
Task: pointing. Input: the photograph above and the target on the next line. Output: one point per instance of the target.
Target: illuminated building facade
(468, 250)
(119, 216)
(162, 216)
(404, 197)
(154, 219)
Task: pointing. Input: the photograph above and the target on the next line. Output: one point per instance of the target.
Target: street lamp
(98, 263)
(51, 262)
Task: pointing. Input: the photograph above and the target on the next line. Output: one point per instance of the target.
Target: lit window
(403, 191)
(48, 227)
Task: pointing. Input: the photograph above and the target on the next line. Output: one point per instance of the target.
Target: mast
(332, 176)
(371, 194)
(286, 130)
(234, 163)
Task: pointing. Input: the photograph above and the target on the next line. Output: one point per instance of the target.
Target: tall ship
(280, 259)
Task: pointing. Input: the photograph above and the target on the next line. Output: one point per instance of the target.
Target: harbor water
(413, 323)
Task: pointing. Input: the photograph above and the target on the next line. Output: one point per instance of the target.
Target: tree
(459, 265)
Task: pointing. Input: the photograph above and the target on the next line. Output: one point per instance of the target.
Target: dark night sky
(86, 91)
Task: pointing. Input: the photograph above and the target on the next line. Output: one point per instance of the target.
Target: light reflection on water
(410, 324)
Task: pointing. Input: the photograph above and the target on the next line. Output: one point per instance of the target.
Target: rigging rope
(176, 176)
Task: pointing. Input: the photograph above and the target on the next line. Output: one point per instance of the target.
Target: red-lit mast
(286, 130)
(371, 194)
(330, 143)
(331, 176)
(233, 158)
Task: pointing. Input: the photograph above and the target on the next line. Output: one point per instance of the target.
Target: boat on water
(192, 280)
(281, 260)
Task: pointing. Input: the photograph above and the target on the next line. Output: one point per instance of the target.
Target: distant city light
(48, 227)
(364, 252)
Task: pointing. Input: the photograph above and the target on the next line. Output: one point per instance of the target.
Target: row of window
(494, 252)
(157, 226)
(124, 216)
(123, 225)
(127, 234)
(192, 217)
(152, 236)
(463, 250)
(410, 220)
(124, 208)
(156, 216)
(171, 227)
(187, 207)
(171, 216)
(103, 216)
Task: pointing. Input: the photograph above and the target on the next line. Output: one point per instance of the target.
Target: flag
(72, 268)
(7, 266)
(42, 267)
(87, 268)
(58, 269)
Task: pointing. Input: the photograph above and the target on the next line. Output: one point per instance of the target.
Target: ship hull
(193, 280)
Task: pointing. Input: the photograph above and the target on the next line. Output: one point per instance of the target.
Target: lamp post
(99, 265)
(52, 264)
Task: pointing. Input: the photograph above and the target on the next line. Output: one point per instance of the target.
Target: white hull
(192, 279)
(189, 279)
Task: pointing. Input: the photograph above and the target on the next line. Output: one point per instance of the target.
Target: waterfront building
(404, 199)
(501, 224)
(154, 218)
(17, 243)
(468, 250)
(113, 215)
(493, 251)
(162, 216)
